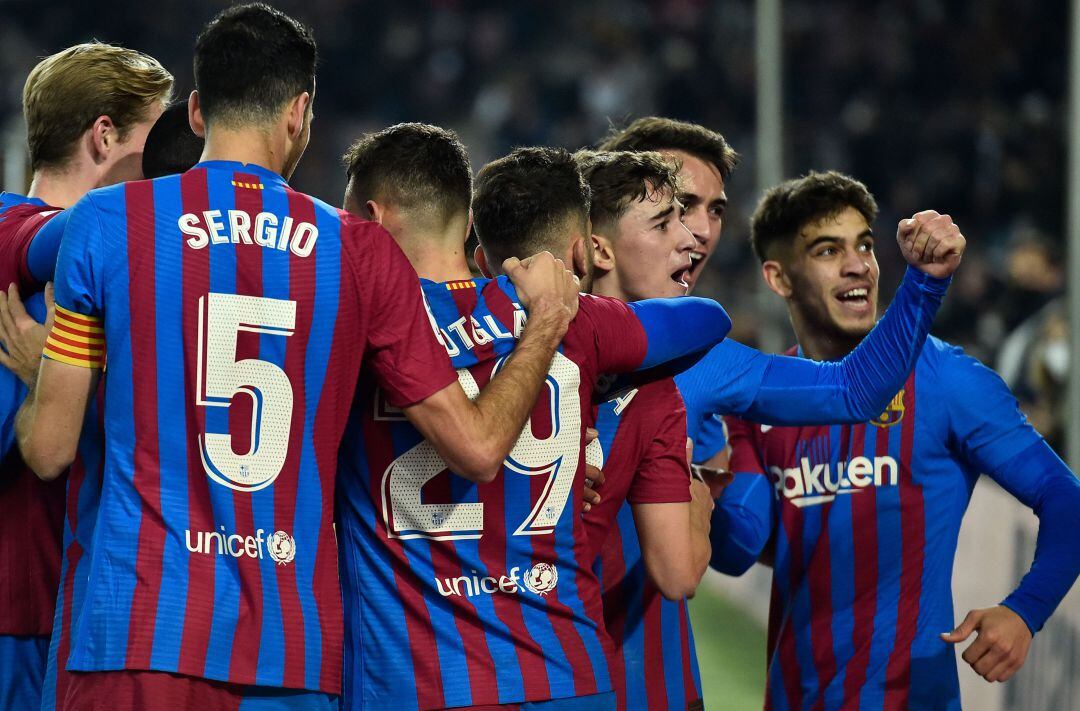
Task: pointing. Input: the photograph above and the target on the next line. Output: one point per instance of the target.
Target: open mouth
(857, 297)
(696, 260)
(681, 277)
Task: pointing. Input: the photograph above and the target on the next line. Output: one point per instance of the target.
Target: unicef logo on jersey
(541, 578)
(281, 547)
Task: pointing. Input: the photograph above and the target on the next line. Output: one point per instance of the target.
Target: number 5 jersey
(236, 314)
(464, 594)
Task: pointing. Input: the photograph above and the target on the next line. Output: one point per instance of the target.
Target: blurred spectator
(933, 104)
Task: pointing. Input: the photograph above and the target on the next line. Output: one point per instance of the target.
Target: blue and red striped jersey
(80, 515)
(865, 522)
(643, 437)
(235, 313)
(463, 594)
(31, 511)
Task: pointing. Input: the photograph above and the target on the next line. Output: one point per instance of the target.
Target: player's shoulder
(944, 359)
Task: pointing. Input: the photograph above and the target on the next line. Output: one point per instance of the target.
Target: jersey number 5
(221, 377)
(554, 457)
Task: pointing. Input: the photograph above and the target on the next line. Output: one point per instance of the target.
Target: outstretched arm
(778, 390)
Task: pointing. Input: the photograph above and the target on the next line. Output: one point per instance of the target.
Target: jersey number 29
(554, 457)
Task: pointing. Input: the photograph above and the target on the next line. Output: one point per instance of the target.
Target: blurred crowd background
(955, 105)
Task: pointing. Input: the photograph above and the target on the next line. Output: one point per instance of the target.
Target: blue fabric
(663, 320)
(41, 256)
(733, 379)
(22, 671)
(741, 524)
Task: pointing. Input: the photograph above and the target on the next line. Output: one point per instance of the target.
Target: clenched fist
(931, 242)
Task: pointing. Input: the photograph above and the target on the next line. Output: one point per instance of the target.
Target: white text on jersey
(237, 227)
(807, 484)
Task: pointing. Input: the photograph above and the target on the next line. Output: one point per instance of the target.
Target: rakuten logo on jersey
(539, 579)
(279, 546)
(809, 485)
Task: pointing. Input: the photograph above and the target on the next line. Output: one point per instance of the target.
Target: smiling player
(865, 517)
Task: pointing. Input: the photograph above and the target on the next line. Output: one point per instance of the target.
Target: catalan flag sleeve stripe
(76, 339)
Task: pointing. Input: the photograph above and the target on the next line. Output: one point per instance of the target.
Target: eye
(826, 252)
(866, 247)
(716, 212)
(662, 226)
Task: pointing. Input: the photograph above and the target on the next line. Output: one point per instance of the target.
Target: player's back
(235, 323)
(465, 594)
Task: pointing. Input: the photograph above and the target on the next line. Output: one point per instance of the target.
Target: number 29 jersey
(464, 594)
(236, 313)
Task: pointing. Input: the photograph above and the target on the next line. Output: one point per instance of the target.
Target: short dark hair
(249, 61)
(619, 178)
(655, 133)
(785, 209)
(414, 165)
(524, 201)
(171, 146)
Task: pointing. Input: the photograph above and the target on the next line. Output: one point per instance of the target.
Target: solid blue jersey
(865, 520)
(463, 594)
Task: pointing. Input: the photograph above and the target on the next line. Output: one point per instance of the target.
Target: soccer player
(865, 518)
(465, 595)
(87, 109)
(237, 314)
(641, 252)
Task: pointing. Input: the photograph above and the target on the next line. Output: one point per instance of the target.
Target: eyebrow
(663, 213)
(833, 238)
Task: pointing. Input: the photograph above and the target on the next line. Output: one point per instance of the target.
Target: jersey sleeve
(651, 333)
(42, 252)
(746, 512)
(19, 256)
(663, 476)
(710, 437)
(993, 436)
(781, 390)
(409, 362)
(77, 336)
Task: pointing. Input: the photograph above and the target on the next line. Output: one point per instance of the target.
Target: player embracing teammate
(282, 390)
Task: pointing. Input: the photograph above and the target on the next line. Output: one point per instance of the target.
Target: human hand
(22, 337)
(544, 285)
(1001, 645)
(931, 242)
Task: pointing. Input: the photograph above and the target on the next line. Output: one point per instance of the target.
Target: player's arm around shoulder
(50, 419)
(474, 437)
(48, 424)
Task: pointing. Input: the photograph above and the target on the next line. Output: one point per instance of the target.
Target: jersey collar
(238, 167)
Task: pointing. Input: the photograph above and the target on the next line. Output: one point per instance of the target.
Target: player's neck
(436, 249)
(254, 146)
(821, 344)
(61, 188)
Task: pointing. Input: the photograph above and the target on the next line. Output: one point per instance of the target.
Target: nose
(687, 239)
(697, 222)
(856, 263)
